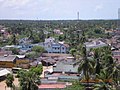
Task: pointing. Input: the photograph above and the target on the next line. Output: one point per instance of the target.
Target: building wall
(21, 61)
(5, 64)
(10, 64)
(116, 53)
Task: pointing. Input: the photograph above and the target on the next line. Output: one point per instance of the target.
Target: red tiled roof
(51, 86)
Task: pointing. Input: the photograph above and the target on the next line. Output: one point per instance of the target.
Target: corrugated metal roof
(4, 72)
(8, 58)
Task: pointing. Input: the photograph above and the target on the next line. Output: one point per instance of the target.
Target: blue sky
(59, 9)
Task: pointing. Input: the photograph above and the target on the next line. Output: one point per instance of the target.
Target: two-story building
(51, 46)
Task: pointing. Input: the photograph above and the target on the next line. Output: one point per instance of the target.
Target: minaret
(78, 15)
(118, 18)
(119, 13)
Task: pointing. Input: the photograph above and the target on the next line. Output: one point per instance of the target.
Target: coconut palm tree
(85, 65)
(97, 58)
(83, 38)
(105, 80)
(9, 81)
(115, 68)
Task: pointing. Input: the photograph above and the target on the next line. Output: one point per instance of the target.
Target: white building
(49, 40)
(54, 47)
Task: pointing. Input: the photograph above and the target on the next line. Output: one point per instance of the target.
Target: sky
(59, 9)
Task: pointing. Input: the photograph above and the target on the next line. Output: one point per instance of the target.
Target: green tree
(75, 86)
(15, 50)
(30, 79)
(97, 57)
(38, 49)
(9, 80)
(73, 52)
(85, 65)
(105, 78)
(14, 40)
(83, 38)
(32, 55)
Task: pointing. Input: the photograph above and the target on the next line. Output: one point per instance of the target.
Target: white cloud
(98, 7)
(13, 3)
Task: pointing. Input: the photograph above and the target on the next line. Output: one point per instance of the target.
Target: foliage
(32, 55)
(15, 51)
(85, 65)
(73, 52)
(106, 79)
(37, 70)
(75, 86)
(13, 40)
(9, 80)
(38, 49)
(30, 79)
(34, 29)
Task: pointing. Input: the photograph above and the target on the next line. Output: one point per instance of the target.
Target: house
(55, 47)
(57, 31)
(7, 61)
(61, 76)
(21, 59)
(3, 73)
(25, 47)
(3, 52)
(22, 47)
(25, 41)
(49, 40)
(50, 45)
(66, 66)
(48, 59)
(116, 55)
(95, 44)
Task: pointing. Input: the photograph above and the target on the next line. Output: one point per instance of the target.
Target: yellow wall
(5, 64)
(21, 61)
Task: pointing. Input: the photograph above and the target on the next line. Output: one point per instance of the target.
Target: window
(63, 48)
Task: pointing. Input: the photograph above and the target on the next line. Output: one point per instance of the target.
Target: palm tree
(105, 80)
(9, 81)
(83, 38)
(115, 68)
(97, 58)
(86, 65)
